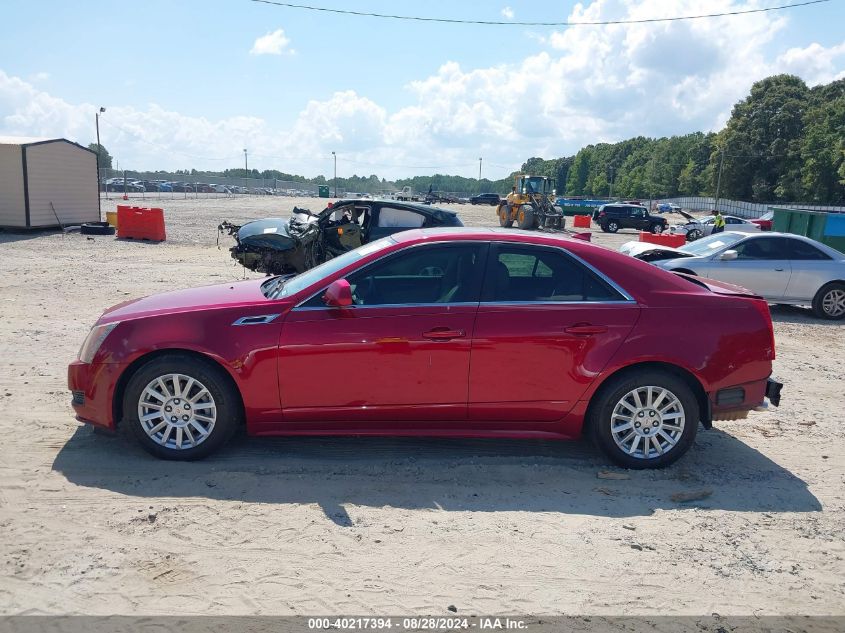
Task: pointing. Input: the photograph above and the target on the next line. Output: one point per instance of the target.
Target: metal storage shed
(37, 171)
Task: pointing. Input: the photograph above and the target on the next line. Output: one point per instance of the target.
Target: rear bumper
(734, 402)
(93, 387)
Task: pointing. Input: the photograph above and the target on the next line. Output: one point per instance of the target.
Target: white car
(696, 228)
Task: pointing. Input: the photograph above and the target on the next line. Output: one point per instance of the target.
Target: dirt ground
(92, 525)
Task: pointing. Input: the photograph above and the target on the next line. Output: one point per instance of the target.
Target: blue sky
(190, 84)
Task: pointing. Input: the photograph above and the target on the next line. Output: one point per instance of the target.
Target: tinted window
(524, 273)
(802, 250)
(442, 273)
(762, 248)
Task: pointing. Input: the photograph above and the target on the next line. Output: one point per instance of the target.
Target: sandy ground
(92, 525)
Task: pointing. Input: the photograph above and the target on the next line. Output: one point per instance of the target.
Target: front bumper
(92, 387)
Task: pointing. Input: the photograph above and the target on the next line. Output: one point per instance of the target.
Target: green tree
(103, 157)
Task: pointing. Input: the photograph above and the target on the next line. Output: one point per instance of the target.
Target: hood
(651, 252)
(219, 295)
(271, 233)
(687, 215)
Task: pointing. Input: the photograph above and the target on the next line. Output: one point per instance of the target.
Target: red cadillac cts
(448, 332)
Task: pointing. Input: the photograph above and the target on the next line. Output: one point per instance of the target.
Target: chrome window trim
(625, 300)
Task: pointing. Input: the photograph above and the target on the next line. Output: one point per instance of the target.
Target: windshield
(534, 185)
(712, 243)
(767, 216)
(303, 280)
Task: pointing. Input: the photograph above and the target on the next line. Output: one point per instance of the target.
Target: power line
(388, 16)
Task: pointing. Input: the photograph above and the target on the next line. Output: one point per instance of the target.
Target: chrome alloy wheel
(833, 303)
(647, 422)
(177, 411)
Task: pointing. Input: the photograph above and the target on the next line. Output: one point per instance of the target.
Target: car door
(637, 218)
(762, 265)
(546, 326)
(389, 220)
(811, 269)
(400, 352)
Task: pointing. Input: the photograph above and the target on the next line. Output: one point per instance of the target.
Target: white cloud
(507, 13)
(274, 43)
(585, 85)
(815, 63)
(42, 76)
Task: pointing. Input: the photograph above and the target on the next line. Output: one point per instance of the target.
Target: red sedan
(448, 332)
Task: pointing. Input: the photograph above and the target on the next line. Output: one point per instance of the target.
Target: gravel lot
(91, 524)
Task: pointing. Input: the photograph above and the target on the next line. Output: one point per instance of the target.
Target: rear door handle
(443, 334)
(585, 329)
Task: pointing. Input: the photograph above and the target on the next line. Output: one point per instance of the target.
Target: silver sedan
(781, 267)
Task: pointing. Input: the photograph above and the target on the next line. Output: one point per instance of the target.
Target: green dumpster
(824, 227)
(323, 191)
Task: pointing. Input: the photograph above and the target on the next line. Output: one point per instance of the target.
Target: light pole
(611, 183)
(246, 173)
(479, 174)
(719, 178)
(99, 150)
(335, 174)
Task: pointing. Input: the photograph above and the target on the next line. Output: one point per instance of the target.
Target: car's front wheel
(644, 420)
(829, 302)
(180, 407)
(694, 234)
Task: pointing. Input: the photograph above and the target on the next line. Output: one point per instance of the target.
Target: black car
(486, 198)
(277, 246)
(612, 217)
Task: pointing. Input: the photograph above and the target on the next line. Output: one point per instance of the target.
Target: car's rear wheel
(180, 407)
(644, 420)
(829, 302)
(504, 214)
(612, 227)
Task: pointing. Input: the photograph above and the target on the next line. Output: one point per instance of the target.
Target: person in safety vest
(718, 222)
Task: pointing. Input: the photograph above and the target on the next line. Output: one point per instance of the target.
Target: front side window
(536, 274)
(431, 274)
(764, 248)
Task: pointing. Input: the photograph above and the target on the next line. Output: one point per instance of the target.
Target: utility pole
(335, 173)
(610, 195)
(479, 174)
(99, 151)
(719, 178)
(246, 173)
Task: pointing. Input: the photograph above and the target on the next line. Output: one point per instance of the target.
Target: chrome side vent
(256, 320)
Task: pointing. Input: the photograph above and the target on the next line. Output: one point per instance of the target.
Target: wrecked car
(277, 246)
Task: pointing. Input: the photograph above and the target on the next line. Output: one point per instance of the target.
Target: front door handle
(585, 329)
(443, 334)
(779, 270)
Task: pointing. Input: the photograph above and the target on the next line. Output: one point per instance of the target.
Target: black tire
(226, 400)
(830, 293)
(694, 234)
(602, 407)
(603, 228)
(525, 217)
(96, 228)
(504, 213)
(612, 226)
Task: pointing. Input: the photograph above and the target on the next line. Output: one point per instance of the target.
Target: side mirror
(338, 294)
(727, 256)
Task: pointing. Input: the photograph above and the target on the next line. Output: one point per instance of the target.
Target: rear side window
(802, 250)
(535, 274)
(402, 218)
(762, 248)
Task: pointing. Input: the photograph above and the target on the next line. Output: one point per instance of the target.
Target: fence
(743, 209)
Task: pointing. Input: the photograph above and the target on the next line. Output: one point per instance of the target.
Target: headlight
(94, 339)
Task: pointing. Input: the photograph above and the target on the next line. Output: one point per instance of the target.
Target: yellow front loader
(531, 204)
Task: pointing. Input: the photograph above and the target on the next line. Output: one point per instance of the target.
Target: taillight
(763, 308)
(602, 214)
